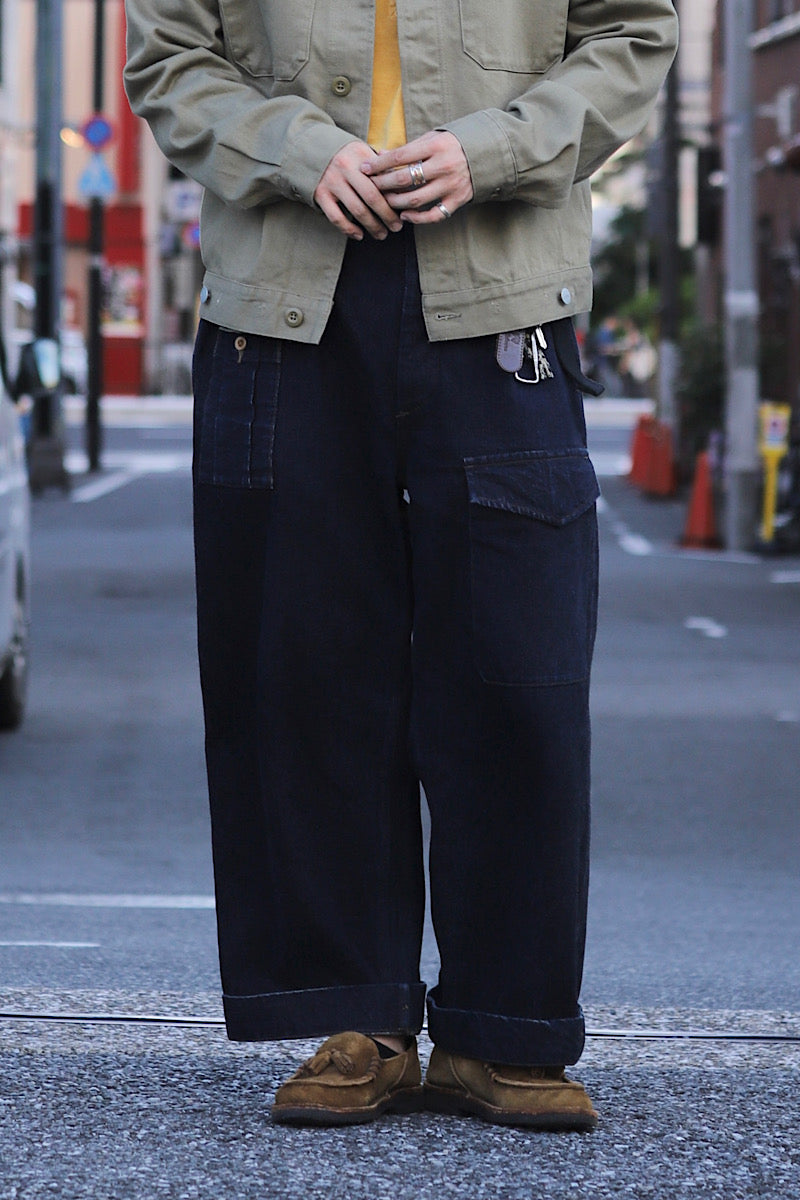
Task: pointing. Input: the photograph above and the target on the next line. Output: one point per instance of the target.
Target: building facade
(776, 61)
(775, 46)
(12, 137)
(151, 256)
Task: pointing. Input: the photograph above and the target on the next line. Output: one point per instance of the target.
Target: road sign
(97, 182)
(182, 200)
(775, 422)
(97, 131)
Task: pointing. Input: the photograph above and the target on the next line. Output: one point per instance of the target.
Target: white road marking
(103, 900)
(124, 467)
(707, 626)
(788, 716)
(640, 547)
(610, 463)
(785, 577)
(634, 543)
(102, 487)
(56, 945)
(631, 543)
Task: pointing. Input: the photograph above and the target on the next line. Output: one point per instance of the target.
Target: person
(395, 531)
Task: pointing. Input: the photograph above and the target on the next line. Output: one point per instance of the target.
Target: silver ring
(445, 212)
(417, 174)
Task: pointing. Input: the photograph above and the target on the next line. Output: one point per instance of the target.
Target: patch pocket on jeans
(236, 411)
(533, 558)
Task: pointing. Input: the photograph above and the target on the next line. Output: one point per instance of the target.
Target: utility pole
(47, 252)
(94, 390)
(46, 447)
(741, 293)
(669, 265)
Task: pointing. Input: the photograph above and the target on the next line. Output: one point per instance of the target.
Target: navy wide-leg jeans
(396, 551)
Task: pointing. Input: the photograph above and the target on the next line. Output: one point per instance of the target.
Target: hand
(444, 169)
(350, 200)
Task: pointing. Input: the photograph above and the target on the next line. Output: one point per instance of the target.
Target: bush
(700, 390)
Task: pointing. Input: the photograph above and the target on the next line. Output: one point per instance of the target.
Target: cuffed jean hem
(511, 1040)
(395, 1008)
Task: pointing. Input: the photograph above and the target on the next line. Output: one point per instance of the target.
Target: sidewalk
(138, 1111)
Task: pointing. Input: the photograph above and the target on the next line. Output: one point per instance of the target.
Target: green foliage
(700, 387)
(616, 264)
(617, 268)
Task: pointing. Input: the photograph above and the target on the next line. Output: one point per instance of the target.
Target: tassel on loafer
(348, 1083)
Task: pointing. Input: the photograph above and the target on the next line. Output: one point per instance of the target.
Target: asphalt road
(105, 880)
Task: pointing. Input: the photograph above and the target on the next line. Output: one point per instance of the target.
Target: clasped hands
(421, 183)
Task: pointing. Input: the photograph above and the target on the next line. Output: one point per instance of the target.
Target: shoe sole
(442, 1100)
(408, 1100)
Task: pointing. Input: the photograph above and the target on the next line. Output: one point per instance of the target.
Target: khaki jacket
(253, 98)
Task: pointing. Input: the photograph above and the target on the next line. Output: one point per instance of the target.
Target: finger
(372, 211)
(419, 198)
(337, 217)
(393, 181)
(453, 192)
(363, 204)
(409, 178)
(391, 160)
(434, 215)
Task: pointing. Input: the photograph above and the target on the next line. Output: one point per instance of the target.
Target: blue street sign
(97, 131)
(96, 182)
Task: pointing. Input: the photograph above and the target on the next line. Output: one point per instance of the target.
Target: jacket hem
(252, 309)
(502, 307)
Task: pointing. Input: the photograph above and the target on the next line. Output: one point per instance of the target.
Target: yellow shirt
(387, 126)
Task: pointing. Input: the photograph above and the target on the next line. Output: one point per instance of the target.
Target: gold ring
(417, 175)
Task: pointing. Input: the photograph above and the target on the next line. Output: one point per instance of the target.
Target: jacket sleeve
(556, 134)
(212, 124)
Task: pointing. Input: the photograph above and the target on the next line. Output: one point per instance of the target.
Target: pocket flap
(555, 488)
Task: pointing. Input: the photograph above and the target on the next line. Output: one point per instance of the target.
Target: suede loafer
(348, 1083)
(531, 1097)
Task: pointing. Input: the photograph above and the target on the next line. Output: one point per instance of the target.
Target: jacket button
(293, 317)
(566, 296)
(341, 86)
(205, 295)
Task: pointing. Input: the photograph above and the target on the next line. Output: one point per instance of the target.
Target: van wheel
(14, 677)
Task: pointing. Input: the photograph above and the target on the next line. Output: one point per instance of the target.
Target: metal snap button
(293, 317)
(341, 86)
(205, 294)
(240, 343)
(566, 296)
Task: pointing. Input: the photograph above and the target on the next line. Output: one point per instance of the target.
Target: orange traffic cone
(701, 528)
(661, 480)
(652, 460)
(641, 450)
